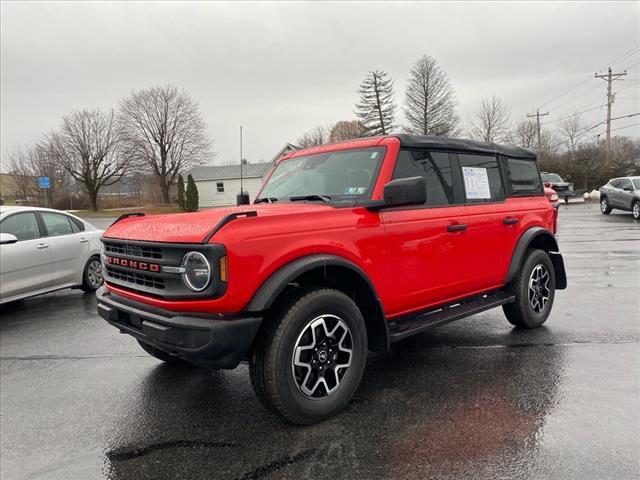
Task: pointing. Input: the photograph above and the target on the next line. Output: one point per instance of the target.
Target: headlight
(197, 271)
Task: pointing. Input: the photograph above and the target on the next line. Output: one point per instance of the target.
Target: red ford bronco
(348, 247)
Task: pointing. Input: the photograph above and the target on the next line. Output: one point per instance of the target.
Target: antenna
(241, 162)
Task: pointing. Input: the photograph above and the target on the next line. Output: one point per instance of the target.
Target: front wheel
(534, 288)
(604, 206)
(635, 210)
(310, 357)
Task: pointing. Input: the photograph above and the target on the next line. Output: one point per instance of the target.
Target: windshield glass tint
(551, 177)
(341, 175)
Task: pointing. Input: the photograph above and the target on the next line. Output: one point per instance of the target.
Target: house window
(220, 187)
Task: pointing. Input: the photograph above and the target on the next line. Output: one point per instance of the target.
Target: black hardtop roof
(423, 141)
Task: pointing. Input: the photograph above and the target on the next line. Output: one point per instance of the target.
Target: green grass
(116, 212)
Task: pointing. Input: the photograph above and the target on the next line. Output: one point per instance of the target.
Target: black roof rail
(226, 219)
(127, 215)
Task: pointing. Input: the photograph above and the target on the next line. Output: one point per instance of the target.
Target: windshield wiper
(266, 200)
(324, 198)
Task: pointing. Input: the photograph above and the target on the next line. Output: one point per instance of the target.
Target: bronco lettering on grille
(134, 264)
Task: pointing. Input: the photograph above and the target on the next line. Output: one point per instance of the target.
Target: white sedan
(42, 250)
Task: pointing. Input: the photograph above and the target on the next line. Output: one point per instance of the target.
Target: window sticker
(355, 190)
(476, 183)
(373, 155)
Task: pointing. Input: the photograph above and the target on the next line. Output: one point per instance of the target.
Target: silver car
(622, 194)
(42, 250)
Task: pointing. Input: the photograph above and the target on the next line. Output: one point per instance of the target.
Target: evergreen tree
(430, 103)
(191, 198)
(181, 192)
(376, 109)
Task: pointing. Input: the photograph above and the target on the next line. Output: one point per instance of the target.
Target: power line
(630, 52)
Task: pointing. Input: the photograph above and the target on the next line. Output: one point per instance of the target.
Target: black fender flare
(273, 286)
(549, 243)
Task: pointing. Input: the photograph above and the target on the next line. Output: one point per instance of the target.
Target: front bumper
(214, 342)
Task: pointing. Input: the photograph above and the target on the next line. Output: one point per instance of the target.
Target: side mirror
(405, 191)
(547, 184)
(6, 238)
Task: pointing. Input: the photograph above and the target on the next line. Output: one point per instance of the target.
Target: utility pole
(537, 116)
(241, 162)
(609, 77)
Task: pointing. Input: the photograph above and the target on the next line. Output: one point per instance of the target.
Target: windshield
(344, 175)
(551, 177)
(636, 183)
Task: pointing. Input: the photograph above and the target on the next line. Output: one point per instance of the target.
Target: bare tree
(430, 102)
(491, 122)
(376, 109)
(45, 162)
(317, 136)
(89, 146)
(165, 132)
(346, 130)
(570, 130)
(19, 167)
(525, 134)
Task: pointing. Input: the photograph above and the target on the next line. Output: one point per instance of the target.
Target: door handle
(510, 220)
(42, 246)
(83, 240)
(456, 227)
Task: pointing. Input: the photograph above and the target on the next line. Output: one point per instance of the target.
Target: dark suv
(348, 247)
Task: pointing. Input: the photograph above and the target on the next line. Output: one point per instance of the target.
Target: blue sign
(43, 182)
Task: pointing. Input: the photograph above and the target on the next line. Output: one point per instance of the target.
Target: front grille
(142, 267)
(133, 278)
(561, 188)
(132, 250)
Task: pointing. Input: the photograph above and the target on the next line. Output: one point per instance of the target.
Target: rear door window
(57, 224)
(481, 178)
(434, 167)
(521, 176)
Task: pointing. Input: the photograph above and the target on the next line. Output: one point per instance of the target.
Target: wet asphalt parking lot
(473, 399)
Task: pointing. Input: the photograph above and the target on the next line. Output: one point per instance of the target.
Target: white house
(218, 186)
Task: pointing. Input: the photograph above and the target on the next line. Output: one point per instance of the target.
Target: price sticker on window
(476, 183)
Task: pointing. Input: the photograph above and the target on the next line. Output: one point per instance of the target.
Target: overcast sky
(280, 69)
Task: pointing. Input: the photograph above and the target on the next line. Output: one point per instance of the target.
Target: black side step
(449, 312)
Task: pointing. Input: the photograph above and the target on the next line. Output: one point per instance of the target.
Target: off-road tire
(635, 209)
(162, 355)
(605, 208)
(271, 357)
(521, 313)
(88, 275)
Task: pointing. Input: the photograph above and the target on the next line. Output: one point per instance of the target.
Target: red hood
(194, 227)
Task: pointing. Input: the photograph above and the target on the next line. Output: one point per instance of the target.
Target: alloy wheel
(603, 205)
(539, 292)
(322, 356)
(636, 210)
(94, 273)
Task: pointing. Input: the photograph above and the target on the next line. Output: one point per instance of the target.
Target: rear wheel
(604, 206)
(309, 359)
(534, 288)
(92, 275)
(635, 210)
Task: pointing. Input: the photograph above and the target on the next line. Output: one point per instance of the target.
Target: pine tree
(191, 198)
(376, 109)
(430, 102)
(181, 192)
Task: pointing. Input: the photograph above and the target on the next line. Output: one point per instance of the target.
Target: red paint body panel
(411, 259)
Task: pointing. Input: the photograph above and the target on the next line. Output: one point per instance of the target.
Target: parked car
(348, 246)
(622, 194)
(42, 250)
(563, 189)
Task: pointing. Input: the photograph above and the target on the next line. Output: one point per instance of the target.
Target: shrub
(191, 198)
(181, 192)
